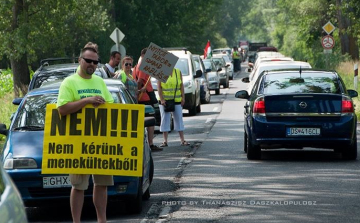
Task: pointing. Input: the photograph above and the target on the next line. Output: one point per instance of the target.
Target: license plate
(56, 181)
(303, 131)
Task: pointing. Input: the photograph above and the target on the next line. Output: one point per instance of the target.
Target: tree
(32, 28)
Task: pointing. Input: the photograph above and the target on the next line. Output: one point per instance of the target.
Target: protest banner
(106, 140)
(158, 62)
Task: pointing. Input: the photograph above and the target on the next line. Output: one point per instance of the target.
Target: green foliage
(6, 82)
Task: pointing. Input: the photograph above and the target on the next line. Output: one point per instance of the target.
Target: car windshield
(218, 62)
(182, 65)
(209, 65)
(227, 59)
(294, 83)
(31, 115)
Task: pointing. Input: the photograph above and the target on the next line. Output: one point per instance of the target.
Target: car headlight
(188, 84)
(21, 163)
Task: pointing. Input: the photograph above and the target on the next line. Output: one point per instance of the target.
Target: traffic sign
(327, 42)
(328, 27)
(117, 36)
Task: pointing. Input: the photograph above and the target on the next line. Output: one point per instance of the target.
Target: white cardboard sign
(158, 62)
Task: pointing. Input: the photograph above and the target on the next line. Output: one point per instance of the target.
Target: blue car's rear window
(296, 83)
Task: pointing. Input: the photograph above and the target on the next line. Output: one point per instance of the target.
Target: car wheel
(198, 108)
(171, 123)
(207, 98)
(350, 152)
(217, 91)
(253, 151)
(192, 110)
(135, 204)
(245, 142)
(231, 78)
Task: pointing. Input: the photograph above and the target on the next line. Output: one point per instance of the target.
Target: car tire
(253, 151)
(135, 205)
(350, 152)
(231, 78)
(245, 141)
(192, 110)
(217, 91)
(171, 123)
(207, 98)
(198, 108)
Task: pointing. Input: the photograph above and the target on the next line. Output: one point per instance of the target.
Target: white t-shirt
(111, 69)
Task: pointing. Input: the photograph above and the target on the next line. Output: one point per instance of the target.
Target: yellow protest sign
(106, 140)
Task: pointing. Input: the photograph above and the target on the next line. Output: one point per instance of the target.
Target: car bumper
(30, 186)
(335, 134)
(214, 85)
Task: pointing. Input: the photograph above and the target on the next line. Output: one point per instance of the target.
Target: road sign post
(328, 41)
(117, 36)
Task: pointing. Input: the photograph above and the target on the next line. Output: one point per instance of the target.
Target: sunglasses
(128, 64)
(90, 61)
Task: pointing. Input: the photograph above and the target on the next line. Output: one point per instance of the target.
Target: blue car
(299, 108)
(23, 151)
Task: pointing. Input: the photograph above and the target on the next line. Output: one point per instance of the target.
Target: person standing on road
(172, 89)
(114, 61)
(75, 92)
(146, 91)
(127, 78)
(236, 58)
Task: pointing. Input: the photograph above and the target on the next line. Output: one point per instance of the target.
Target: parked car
(230, 67)
(11, 205)
(213, 75)
(55, 69)
(224, 51)
(275, 65)
(22, 154)
(219, 62)
(186, 65)
(205, 95)
(299, 108)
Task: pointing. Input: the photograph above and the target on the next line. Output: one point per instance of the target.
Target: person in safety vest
(236, 58)
(172, 90)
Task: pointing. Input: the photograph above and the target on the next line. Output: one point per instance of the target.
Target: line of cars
(22, 153)
(290, 105)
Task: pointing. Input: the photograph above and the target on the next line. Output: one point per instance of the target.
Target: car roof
(280, 64)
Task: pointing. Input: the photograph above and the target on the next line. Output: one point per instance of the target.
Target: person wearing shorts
(76, 91)
(172, 89)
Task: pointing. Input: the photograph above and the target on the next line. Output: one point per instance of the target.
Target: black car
(51, 69)
(299, 108)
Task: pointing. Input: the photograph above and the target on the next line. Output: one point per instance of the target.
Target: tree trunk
(19, 65)
(348, 42)
(21, 75)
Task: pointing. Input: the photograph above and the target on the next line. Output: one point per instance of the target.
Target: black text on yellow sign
(106, 140)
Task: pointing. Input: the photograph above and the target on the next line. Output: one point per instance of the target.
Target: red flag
(207, 51)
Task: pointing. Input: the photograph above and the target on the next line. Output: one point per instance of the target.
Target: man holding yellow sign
(77, 91)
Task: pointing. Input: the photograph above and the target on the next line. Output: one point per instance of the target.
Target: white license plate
(303, 131)
(56, 181)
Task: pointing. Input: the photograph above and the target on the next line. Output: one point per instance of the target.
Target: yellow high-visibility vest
(169, 87)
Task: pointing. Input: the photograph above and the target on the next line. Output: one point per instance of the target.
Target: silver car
(212, 75)
(11, 206)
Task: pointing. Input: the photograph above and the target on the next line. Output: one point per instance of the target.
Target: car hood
(27, 144)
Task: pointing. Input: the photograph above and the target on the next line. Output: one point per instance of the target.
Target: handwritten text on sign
(158, 63)
(107, 140)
